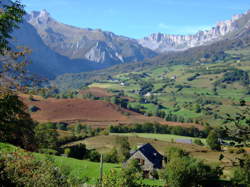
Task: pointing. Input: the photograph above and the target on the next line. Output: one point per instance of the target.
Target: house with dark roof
(149, 158)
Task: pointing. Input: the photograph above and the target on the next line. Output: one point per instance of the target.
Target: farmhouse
(148, 94)
(148, 157)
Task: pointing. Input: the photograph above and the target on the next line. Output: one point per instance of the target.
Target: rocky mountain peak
(86, 44)
(38, 17)
(40, 14)
(163, 42)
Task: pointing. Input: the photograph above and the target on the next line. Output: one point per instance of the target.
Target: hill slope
(91, 112)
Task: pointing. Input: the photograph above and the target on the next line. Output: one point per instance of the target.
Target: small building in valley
(149, 159)
(186, 141)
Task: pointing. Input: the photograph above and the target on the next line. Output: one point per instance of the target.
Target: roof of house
(151, 154)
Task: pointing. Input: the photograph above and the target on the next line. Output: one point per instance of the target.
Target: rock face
(164, 42)
(94, 45)
(45, 61)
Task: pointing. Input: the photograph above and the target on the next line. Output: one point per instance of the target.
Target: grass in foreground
(80, 169)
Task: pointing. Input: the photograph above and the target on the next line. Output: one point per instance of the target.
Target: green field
(179, 96)
(162, 137)
(80, 169)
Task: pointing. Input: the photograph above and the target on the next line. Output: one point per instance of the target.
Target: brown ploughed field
(90, 112)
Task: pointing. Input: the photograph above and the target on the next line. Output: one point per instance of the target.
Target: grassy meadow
(162, 137)
(79, 169)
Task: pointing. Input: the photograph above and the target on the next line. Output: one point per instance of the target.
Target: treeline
(160, 129)
(75, 132)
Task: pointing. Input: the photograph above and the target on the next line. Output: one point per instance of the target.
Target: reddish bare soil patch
(91, 112)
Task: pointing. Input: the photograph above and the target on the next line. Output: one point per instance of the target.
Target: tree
(112, 156)
(10, 17)
(13, 61)
(78, 128)
(183, 170)
(242, 102)
(213, 140)
(124, 148)
(78, 151)
(237, 128)
(241, 174)
(46, 138)
(94, 156)
(16, 125)
(198, 142)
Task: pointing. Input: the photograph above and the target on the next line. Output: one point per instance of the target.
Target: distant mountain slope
(46, 62)
(93, 45)
(215, 52)
(164, 42)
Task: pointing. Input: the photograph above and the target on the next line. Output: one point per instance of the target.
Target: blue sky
(139, 18)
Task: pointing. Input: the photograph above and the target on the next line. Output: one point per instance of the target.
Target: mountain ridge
(166, 42)
(79, 43)
(60, 48)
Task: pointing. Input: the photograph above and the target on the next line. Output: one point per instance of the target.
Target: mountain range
(59, 48)
(163, 42)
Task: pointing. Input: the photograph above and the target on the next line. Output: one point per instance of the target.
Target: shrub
(78, 151)
(67, 152)
(183, 170)
(94, 156)
(22, 169)
(112, 156)
(131, 175)
(240, 151)
(241, 175)
(62, 126)
(198, 142)
(46, 138)
(123, 148)
(213, 141)
(154, 174)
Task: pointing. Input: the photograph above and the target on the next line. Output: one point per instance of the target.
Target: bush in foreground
(131, 176)
(184, 170)
(22, 169)
(241, 174)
